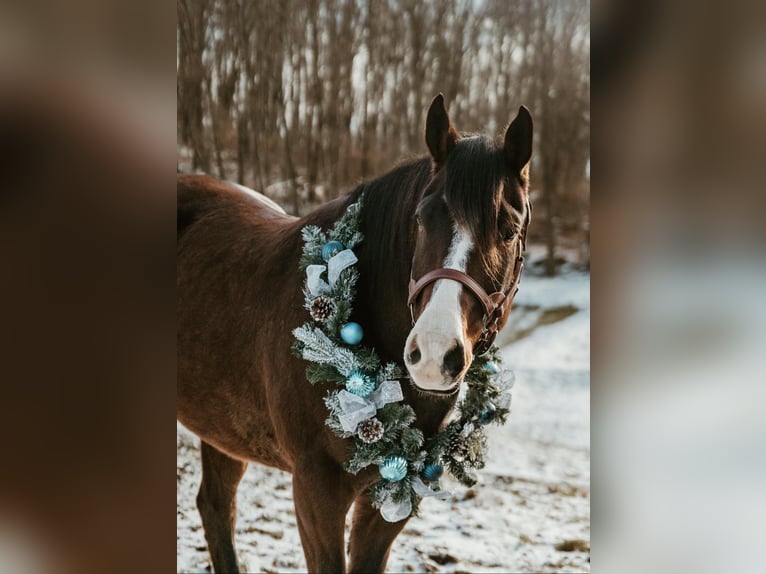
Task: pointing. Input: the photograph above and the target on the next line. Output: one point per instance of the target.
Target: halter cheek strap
(495, 305)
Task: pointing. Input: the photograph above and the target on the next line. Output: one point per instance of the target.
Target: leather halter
(495, 305)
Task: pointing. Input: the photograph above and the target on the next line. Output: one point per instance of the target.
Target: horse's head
(472, 222)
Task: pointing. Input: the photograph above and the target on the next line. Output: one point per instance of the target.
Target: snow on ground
(530, 511)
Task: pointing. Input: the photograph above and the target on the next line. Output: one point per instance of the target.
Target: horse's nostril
(454, 361)
(414, 356)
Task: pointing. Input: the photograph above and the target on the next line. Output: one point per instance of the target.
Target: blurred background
(301, 100)
(679, 274)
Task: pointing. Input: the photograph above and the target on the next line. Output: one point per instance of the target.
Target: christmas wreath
(366, 403)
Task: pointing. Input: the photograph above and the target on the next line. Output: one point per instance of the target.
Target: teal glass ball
(393, 469)
(486, 415)
(433, 472)
(331, 248)
(491, 367)
(359, 384)
(351, 333)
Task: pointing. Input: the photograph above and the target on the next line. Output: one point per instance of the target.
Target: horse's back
(199, 195)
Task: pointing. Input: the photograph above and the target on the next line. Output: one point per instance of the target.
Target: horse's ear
(441, 135)
(518, 140)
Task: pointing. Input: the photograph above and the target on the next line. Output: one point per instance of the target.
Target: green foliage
(313, 241)
(411, 440)
(319, 373)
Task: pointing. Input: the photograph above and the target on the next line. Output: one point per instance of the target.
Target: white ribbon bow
(337, 263)
(421, 489)
(355, 409)
(504, 381)
(395, 511)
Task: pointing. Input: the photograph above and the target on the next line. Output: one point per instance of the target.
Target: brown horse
(242, 391)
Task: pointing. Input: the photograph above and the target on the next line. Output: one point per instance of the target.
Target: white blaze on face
(440, 327)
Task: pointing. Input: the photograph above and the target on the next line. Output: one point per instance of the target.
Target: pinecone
(457, 448)
(322, 308)
(370, 430)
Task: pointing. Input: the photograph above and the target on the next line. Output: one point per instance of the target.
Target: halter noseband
(495, 305)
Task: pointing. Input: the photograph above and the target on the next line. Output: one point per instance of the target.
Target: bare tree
(192, 20)
(329, 91)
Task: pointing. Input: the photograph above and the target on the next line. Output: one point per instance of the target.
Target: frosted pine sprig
(320, 349)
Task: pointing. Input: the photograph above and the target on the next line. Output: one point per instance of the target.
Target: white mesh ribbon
(504, 381)
(355, 409)
(395, 511)
(335, 266)
(387, 392)
(421, 489)
(338, 263)
(314, 282)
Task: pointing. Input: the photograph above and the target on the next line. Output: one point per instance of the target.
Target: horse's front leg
(217, 504)
(322, 494)
(371, 538)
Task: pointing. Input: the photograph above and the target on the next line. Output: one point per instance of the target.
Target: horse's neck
(385, 257)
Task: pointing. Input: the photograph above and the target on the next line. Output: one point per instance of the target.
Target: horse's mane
(476, 172)
(388, 218)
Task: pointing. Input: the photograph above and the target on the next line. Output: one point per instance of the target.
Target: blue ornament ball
(432, 472)
(351, 333)
(486, 415)
(331, 248)
(394, 468)
(360, 384)
(491, 367)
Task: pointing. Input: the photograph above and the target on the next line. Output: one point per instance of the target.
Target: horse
(459, 213)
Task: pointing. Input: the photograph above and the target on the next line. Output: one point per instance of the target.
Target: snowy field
(530, 511)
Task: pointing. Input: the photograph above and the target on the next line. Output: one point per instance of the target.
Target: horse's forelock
(475, 175)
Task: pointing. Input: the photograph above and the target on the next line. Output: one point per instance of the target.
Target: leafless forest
(301, 99)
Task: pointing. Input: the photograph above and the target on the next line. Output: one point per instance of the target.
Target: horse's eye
(509, 235)
(420, 223)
